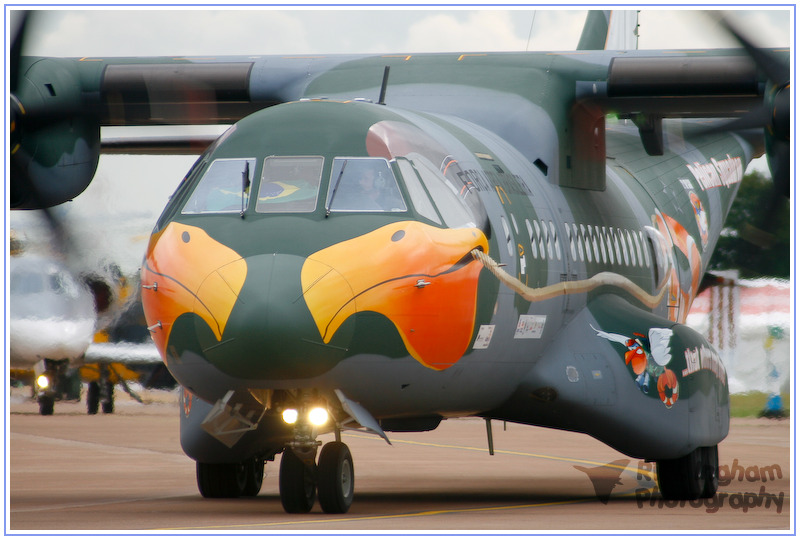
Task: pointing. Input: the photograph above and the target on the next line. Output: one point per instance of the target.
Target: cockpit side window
(363, 185)
(419, 197)
(451, 207)
(224, 188)
(289, 184)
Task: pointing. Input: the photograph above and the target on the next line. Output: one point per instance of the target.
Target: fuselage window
(363, 185)
(609, 244)
(625, 256)
(419, 197)
(224, 188)
(540, 234)
(507, 232)
(595, 248)
(630, 247)
(599, 236)
(571, 242)
(578, 240)
(645, 251)
(586, 243)
(534, 240)
(289, 184)
(547, 233)
(556, 244)
(639, 255)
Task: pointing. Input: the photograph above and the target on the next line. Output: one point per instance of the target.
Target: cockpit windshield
(363, 185)
(289, 184)
(224, 188)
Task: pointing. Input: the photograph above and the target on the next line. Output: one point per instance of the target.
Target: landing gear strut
(100, 393)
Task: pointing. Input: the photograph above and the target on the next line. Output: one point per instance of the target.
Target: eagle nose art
(422, 278)
(187, 271)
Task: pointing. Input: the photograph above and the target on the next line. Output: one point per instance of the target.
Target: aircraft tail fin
(611, 30)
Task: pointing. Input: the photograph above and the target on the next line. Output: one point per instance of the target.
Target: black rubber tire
(682, 478)
(710, 471)
(254, 477)
(93, 398)
(47, 405)
(221, 480)
(107, 401)
(297, 483)
(336, 478)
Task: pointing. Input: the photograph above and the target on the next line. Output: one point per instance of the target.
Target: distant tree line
(756, 238)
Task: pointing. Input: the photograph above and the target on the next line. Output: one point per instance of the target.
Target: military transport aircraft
(382, 242)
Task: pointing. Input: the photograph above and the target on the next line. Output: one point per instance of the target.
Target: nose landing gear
(332, 479)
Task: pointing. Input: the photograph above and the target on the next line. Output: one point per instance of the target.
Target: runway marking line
(388, 516)
(510, 453)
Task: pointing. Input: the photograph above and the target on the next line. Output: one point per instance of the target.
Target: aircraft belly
(598, 383)
(404, 388)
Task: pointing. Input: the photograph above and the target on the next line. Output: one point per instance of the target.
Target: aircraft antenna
(530, 33)
(384, 84)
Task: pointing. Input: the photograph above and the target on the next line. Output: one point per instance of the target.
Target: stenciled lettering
(718, 173)
(704, 358)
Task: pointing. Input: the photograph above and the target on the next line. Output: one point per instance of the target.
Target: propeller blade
(15, 51)
(775, 70)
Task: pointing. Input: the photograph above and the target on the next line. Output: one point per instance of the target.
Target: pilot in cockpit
(373, 191)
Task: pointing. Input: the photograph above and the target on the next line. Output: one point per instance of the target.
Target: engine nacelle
(55, 144)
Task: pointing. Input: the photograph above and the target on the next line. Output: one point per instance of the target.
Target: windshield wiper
(245, 184)
(335, 187)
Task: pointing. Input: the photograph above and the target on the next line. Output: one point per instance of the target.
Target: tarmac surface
(126, 472)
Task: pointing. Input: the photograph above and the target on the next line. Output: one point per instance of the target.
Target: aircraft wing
(130, 354)
(57, 100)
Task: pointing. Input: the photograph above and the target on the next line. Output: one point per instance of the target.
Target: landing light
(318, 416)
(42, 381)
(290, 416)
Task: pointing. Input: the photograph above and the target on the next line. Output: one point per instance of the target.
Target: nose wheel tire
(336, 478)
(46, 405)
(297, 483)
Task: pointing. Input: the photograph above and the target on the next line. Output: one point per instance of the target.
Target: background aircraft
(475, 217)
(68, 327)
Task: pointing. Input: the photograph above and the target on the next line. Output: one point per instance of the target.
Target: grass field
(752, 404)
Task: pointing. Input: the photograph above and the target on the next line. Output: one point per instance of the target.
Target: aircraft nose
(270, 333)
(206, 303)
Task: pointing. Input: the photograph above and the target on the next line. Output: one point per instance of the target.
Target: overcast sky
(145, 32)
(126, 185)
